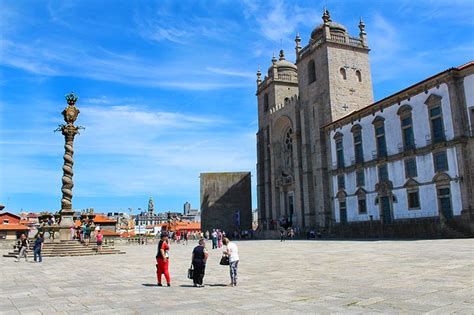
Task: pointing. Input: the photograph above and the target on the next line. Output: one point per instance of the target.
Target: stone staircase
(68, 248)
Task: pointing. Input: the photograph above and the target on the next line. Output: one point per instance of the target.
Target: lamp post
(69, 131)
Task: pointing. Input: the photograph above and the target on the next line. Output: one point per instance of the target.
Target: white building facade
(407, 156)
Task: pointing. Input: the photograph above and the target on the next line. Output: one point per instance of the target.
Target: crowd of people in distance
(199, 257)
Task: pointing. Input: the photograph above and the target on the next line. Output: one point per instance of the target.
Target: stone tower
(331, 78)
(278, 162)
(334, 80)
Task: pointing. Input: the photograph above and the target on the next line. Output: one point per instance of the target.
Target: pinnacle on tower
(362, 26)
(326, 17)
(282, 54)
(274, 60)
(259, 76)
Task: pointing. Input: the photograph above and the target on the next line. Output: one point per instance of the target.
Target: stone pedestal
(67, 220)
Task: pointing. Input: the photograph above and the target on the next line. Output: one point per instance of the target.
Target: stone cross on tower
(69, 131)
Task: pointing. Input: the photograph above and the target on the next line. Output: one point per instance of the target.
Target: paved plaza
(434, 276)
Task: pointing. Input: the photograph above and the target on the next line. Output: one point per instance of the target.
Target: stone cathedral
(330, 79)
(332, 160)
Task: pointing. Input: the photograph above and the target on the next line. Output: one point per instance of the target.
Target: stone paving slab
(293, 277)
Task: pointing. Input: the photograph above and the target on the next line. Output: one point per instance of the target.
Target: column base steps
(68, 248)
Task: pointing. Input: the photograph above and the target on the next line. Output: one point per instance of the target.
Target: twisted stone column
(69, 131)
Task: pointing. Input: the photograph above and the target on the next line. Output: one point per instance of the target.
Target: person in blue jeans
(38, 247)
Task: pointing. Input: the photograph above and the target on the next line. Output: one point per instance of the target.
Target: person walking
(162, 260)
(23, 250)
(99, 238)
(214, 239)
(232, 252)
(198, 260)
(38, 247)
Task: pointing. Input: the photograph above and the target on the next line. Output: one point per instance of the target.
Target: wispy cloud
(127, 150)
(230, 72)
(51, 59)
(282, 19)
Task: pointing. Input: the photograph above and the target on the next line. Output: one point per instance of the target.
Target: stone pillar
(69, 131)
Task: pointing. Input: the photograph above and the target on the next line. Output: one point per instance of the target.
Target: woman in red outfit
(162, 260)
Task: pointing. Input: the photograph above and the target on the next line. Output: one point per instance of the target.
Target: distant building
(148, 217)
(10, 227)
(226, 201)
(190, 215)
(186, 208)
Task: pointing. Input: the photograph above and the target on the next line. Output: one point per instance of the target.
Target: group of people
(217, 237)
(24, 246)
(198, 260)
(287, 233)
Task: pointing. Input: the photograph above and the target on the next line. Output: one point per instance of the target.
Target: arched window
(359, 76)
(289, 140)
(342, 71)
(311, 72)
(265, 102)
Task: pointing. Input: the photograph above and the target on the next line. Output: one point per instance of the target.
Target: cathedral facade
(330, 80)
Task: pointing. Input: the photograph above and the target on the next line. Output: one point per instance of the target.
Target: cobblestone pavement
(430, 276)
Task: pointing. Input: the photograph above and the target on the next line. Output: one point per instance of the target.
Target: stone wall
(222, 196)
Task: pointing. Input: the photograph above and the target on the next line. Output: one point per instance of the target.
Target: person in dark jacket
(198, 261)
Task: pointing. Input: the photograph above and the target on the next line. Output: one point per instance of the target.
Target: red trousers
(162, 268)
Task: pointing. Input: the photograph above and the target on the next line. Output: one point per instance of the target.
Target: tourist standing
(99, 238)
(282, 235)
(87, 234)
(206, 235)
(219, 238)
(214, 239)
(198, 260)
(232, 252)
(185, 238)
(23, 250)
(162, 260)
(38, 247)
(72, 231)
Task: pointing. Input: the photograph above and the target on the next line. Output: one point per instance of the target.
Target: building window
(407, 131)
(311, 72)
(265, 102)
(437, 129)
(342, 71)
(436, 118)
(383, 173)
(410, 168)
(6, 221)
(359, 76)
(440, 160)
(360, 178)
(362, 205)
(339, 150)
(342, 212)
(341, 183)
(379, 125)
(413, 199)
(358, 149)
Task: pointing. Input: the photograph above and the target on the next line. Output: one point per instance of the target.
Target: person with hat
(162, 260)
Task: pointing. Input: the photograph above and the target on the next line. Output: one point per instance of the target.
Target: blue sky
(167, 88)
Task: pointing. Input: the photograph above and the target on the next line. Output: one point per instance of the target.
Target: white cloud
(230, 72)
(128, 150)
(51, 59)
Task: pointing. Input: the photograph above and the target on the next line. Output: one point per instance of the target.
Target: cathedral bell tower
(334, 80)
(278, 163)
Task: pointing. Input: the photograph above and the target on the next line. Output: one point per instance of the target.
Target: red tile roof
(13, 227)
(103, 219)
